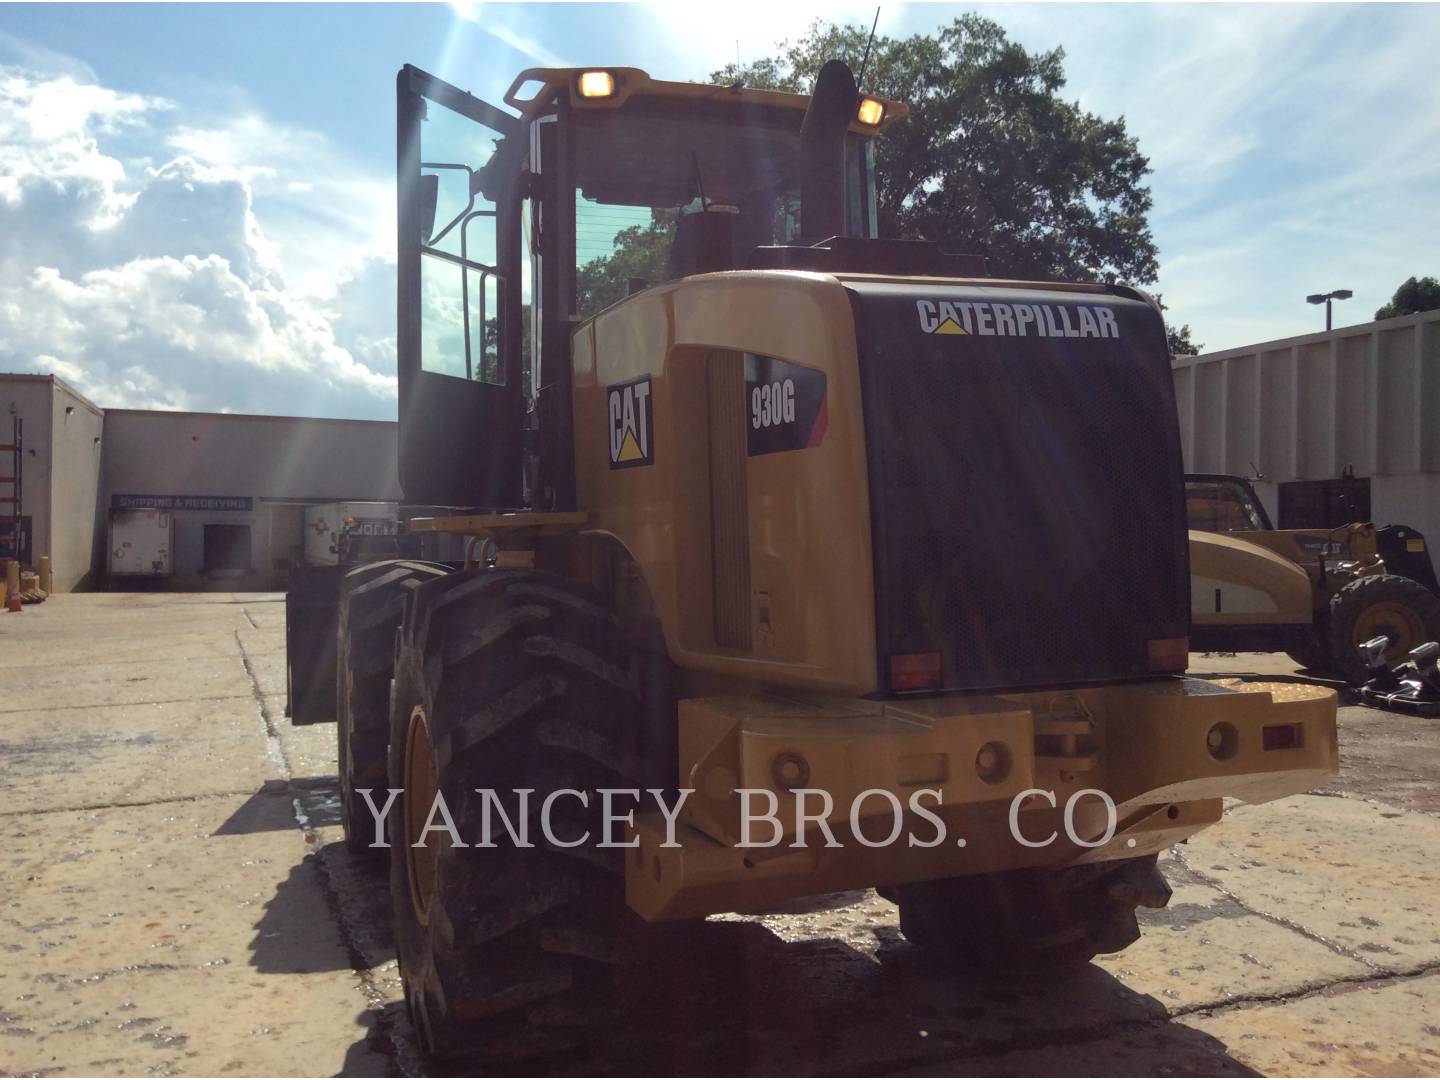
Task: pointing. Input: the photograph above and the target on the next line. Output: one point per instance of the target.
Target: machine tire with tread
(1374, 604)
(372, 599)
(509, 679)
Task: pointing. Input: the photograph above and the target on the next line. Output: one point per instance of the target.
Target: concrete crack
(1277, 920)
(1345, 984)
(126, 704)
(128, 805)
(1374, 977)
(992, 1048)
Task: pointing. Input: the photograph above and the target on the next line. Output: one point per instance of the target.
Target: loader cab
(518, 223)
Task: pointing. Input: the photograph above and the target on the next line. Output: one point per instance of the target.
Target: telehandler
(765, 511)
(1316, 594)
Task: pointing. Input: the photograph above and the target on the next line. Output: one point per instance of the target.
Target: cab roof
(632, 82)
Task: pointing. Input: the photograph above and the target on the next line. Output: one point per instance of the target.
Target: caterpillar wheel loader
(760, 512)
(1317, 594)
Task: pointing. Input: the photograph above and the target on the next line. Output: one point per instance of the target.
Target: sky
(196, 202)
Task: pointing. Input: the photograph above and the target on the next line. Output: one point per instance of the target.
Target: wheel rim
(419, 797)
(1396, 621)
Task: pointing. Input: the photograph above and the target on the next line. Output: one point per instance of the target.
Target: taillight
(1167, 654)
(915, 671)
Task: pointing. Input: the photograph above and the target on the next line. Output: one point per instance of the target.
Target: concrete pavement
(174, 899)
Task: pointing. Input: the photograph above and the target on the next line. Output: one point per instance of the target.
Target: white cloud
(157, 286)
(185, 333)
(686, 41)
(485, 16)
(40, 59)
(321, 209)
(48, 131)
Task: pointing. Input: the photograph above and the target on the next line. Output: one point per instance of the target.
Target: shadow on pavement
(296, 933)
(733, 998)
(274, 808)
(373, 1053)
(296, 930)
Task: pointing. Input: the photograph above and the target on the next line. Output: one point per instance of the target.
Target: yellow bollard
(45, 574)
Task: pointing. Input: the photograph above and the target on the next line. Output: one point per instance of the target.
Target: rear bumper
(1164, 753)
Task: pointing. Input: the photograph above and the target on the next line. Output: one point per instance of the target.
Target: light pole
(1326, 298)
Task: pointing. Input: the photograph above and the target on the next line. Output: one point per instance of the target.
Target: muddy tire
(505, 680)
(371, 601)
(1404, 610)
(1029, 921)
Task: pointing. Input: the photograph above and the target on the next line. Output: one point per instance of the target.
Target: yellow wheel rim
(420, 788)
(1397, 622)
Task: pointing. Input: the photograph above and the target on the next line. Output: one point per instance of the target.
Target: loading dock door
(227, 550)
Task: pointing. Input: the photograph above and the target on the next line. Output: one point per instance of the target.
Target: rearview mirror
(428, 192)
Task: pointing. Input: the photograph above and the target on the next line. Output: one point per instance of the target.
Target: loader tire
(371, 601)
(1028, 922)
(508, 679)
(1403, 610)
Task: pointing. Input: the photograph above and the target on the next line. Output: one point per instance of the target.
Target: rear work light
(596, 84)
(1167, 654)
(915, 671)
(871, 112)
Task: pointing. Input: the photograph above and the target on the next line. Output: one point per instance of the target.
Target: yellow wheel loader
(1317, 594)
(795, 560)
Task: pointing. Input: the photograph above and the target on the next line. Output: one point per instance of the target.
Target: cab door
(459, 305)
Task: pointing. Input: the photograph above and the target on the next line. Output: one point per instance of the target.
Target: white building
(1341, 426)
(237, 485)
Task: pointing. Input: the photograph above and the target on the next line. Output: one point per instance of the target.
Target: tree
(1179, 341)
(990, 160)
(1178, 338)
(640, 251)
(1411, 298)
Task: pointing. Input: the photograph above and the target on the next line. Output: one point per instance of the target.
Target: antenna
(865, 61)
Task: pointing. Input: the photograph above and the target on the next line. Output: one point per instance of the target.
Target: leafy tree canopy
(641, 252)
(1179, 341)
(1178, 337)
(1411, 298)
(990, 160)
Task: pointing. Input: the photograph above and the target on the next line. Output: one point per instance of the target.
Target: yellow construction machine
(1317, 594)
(855, 565)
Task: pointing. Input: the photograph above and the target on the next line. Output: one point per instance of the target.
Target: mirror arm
(470, 185)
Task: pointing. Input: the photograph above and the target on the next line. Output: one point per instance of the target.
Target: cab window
(1220, 506)
(641, 175)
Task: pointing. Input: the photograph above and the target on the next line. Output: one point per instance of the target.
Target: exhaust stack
(822, 152)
